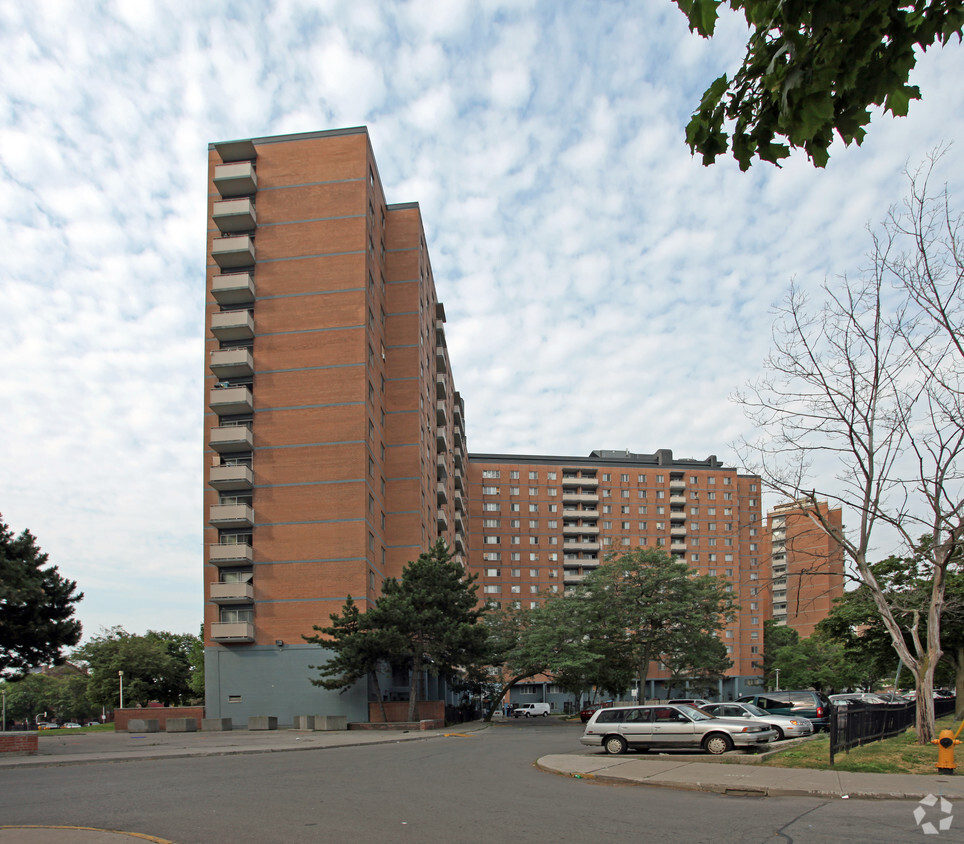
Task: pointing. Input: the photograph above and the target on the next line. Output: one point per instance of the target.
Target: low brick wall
(123, 716)
(22, 743)
(397, 711)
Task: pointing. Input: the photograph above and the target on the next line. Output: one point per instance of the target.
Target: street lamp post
(120, 676)
(777, 670)
(4, 693)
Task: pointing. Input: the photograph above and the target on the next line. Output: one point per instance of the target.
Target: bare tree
(867, 379)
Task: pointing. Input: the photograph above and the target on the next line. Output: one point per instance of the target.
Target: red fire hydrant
(945, 751)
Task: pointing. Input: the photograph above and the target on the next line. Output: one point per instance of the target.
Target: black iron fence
(860, 723)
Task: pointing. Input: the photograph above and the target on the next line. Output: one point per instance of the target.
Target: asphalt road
(478, 787)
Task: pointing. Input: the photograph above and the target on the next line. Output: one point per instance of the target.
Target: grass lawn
(100, 728)
(899, 755)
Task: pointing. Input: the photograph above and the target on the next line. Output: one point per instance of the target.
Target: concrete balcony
(231, 477)
(236, 179)
(459, 544)
(230, 326)
(457, 438)
(677, 484)
(677, 545)
(232, 631)
(232, 593)
(579, 497)
(443, 521)
(441, 387)
(231, 401)
(232, 515)
(457, 459)
(677, 499)
(232, 438)
(589, 483)
(441, 494)
(571, 578)
(579, 546)
(230, 555)
(459, 503)
(576, 513)
(233, 288)
(677, 530)
(441, 470)
(441, 439)
(459, 482)
(441, 414)
(233, 252)
(441, 363)
(575, 530)
(235, 215)
(232, 363)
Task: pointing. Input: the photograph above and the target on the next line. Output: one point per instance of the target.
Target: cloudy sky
(568, 227)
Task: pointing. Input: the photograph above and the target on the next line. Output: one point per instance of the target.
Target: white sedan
(786, 726)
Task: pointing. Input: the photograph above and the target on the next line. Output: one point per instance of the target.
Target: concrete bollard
(304, 722)
(216, 725)
(143, 725)
(263, 722)
(331, 722)
(181, 725)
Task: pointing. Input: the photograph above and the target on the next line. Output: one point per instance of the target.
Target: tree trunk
(925, 703)
(413, 689)
(959, 681)
(378, 692)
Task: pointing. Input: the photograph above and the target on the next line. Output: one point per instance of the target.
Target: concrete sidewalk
(747, 777)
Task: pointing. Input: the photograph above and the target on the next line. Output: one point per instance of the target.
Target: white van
(530, 709)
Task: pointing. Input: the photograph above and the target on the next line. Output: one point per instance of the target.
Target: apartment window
(515, 588)
(371, 541)
(728, 558)
(641, 493)
(660, 525)
(729, 634)
(533, 555)
(693, 479)
(513, 490)
(492, 588)
(493, 572)
(694, 526)
(754, 575)
(491, 540)
(513, 508)
(753, 546)
(533, 523)
(514, 523)
(371, 468)
(533, 589)
(490, 523)
(606, 540)
(643, 510)
(552, 492)
(711, 572)
(552, 523)
(727, 481)
(607, 525)
(533, 476)
(624, 479)
(607, 477)
(490, 490)
(642, 526)
(533, 572)
(754, 605)
(711, 541)
(711, 481)
(533, 508)
(491, 556)
(490, 473)
(533, 490)
(553, 508)
(624, 493)
(533, 540)
(553, 587)
(694, 558)
(513, 475)
(754, 634)
(729, 649)
(607, 493)
(711, 496)
(625, 540)
(607, 508)
(660, 493)
(490, 506)
(711, 525)
(694, 511)
(712, 558)
(752, 487)
(515, 572)
(728, 496)
(754, 649)
(516, 540)
(625, 525)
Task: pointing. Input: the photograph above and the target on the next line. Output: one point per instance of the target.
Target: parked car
(665, 727)
(587, 712)
(48, 726)
(858, 697)
(529, 709)
(814, 706)
(71, 725)
(785, 726)
(692, 701)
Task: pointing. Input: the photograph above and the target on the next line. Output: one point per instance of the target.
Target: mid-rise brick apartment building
(335, 441)
(807, 564)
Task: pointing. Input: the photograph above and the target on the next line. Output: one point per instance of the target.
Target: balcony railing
(230, 555)
(237, 179)
(441, 386)
(232, 363)
(443, 520)
(231, 438)
(441, 416)
(232, 515)
(233, 252)
(232, 401)
(229, 326)
(232, 593)
(440, 493)
(235, 215)
(231, 477)
(579, 497)
(232, 631)
(233, 288)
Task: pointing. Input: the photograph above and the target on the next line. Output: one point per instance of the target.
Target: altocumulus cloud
(567, 224)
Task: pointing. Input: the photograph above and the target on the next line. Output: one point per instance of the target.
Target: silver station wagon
(665, 727)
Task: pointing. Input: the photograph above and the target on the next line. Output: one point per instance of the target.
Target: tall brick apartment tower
(807, 565)
(334, 438)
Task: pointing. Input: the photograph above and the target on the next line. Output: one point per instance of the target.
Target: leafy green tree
(196, 681)
(156, 666)
(361, 650)
(430, 617)
(775, 636)
(656, 609)
(818, 662)
(699, 660)
(36, 606)
(61, 695)
(812, 69)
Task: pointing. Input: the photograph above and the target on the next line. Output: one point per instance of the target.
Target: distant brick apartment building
(807, 565)
(334, 440)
